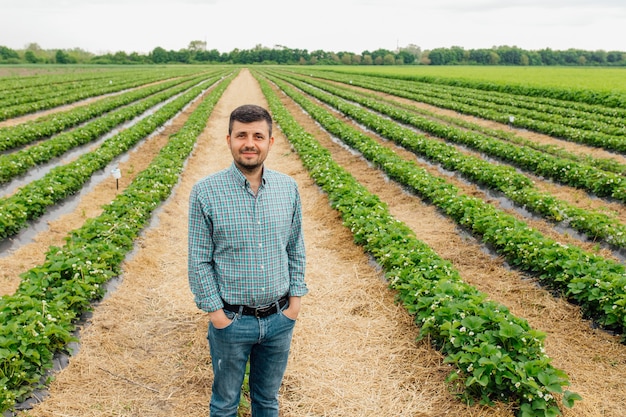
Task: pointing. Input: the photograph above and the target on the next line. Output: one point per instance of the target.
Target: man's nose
(249, 140)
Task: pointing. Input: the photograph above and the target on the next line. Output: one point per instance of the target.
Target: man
(247, 265)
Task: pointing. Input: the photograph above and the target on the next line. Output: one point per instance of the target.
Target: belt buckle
(259, 312)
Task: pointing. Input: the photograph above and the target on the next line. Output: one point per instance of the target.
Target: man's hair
(249, 113)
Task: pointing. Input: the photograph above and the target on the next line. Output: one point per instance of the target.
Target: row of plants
(610, 115)
(497, 356)
(19, 162)
(25, 133)
(104, 87)
(19, 90)
(52, 90)
(567, 113)
(40, 84)
(607, 119)
(509, 135)
(611, 99)
(521, 119)
(596, 284)
(32, 200)
(13, 84)
(519, 153)
(39, 318)
(505, 179)
(33, 102)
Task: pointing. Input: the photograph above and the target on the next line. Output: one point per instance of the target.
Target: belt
(258, 312)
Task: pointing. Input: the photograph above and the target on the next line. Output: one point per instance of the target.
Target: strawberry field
(465, 241)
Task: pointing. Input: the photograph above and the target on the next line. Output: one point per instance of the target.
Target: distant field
(587, 78)
(601, 79)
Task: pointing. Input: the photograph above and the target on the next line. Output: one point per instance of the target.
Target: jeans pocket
(232, 316)
(282, 313)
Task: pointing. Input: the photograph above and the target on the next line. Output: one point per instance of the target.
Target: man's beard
(248, 164)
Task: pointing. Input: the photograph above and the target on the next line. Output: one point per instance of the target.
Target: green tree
(406, 57)
(510, 55)
(135, 58)
(524, 60)
(8, 53)
(549, 57)
(183, 56)
(615, 57)
(570, 56)
(208, 56)
(389, 59)
(414, 50)
(599, 57)
(479, 56)
(120, 57)
(61, 57)
(30, 57)
(494, 58)
(381, 53)
(437, 56)
(159, 55)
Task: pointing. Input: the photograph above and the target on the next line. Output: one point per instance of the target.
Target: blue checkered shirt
(245, 249)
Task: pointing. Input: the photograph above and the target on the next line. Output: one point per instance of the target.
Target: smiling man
(246, 266)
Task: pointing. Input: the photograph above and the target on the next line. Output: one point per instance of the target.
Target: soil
(354, 353)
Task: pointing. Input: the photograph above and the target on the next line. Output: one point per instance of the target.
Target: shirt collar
(242, 180)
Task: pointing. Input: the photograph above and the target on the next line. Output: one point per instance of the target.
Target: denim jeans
(266, 342)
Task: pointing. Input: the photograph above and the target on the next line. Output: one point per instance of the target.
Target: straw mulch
(354, 353)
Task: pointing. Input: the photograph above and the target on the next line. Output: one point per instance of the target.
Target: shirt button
(260, 245)
(262, 267)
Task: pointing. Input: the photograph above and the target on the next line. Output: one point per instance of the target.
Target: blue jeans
(266, 342)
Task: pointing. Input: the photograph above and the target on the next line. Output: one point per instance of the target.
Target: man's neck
(254, 177)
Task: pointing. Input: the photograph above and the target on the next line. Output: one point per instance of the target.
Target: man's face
(249, 143)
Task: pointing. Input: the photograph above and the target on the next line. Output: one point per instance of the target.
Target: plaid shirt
(245, 249)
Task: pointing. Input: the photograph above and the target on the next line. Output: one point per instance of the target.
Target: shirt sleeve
(296, 251)
(202, 281)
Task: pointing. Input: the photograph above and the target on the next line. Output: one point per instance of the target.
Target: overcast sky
(101, 26)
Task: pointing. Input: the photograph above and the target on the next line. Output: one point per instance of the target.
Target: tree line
(506, 55)
(197, 53)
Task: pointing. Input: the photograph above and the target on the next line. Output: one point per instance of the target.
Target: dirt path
(144, 352)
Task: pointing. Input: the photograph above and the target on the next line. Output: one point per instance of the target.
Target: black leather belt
(258, 312)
